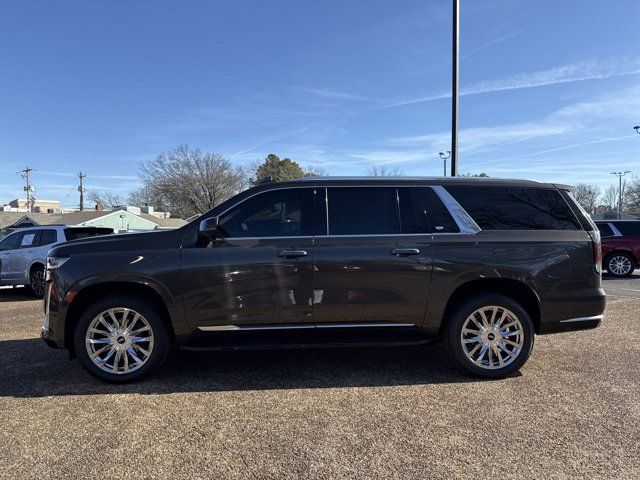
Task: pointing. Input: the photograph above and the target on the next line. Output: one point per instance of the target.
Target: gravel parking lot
(574, 412)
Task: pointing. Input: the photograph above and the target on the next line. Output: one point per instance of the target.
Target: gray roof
(164, 222)
(74, 218)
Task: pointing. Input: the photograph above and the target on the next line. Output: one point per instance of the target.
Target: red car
(620, 246)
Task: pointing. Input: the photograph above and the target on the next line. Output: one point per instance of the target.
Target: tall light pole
(620, 175)
(454, 88)
(445, 156)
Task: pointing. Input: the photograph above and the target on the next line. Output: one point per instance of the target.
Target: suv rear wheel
(121, 338)
(620, 264)
(490, 335)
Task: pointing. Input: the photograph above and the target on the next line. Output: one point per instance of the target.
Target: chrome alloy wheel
(119, 340)
(619, 265)
(492, 337)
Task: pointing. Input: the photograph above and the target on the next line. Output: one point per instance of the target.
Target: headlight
(53, 263)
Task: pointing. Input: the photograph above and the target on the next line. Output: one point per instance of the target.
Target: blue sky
(550, 89)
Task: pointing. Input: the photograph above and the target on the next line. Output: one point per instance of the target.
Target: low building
(46, 206)
(119, 220)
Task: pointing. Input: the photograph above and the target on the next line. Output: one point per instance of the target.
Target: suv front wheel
(490, 335)
(121, 338)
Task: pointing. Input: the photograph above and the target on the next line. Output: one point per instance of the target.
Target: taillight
(597, 251)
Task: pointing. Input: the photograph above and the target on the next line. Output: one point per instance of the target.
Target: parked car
(483, 264)
(620, 246)
(23, 252)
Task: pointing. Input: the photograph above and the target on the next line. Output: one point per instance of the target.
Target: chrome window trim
(465, 223)
(582, 319)
(295, 237)
(614, 229)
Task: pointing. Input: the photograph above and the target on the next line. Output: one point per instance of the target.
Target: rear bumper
(578, 312)
(572, 324)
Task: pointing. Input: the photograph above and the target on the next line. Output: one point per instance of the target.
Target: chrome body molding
(583, 319)
(232, 328)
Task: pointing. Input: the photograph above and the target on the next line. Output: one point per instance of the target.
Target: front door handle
(401, 252)
(292, 253)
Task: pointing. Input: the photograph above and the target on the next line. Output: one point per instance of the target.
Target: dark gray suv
(482, 264)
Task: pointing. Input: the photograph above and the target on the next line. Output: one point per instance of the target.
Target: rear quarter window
(515, 208)
(628, 229)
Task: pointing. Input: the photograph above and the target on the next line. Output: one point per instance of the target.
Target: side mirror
(209, 227)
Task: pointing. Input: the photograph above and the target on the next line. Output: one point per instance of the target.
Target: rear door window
(439, 218)
(628, 229)
(363, 211)
(515, 208)
(413, 218)
(29, 239)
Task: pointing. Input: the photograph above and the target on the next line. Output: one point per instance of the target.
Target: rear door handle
(292, 253)
(400, 252)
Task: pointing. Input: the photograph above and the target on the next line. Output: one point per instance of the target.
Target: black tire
(454, 343)
(36, 281)
(619, 259)
(157, 330)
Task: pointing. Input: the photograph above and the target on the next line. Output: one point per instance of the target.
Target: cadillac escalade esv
(482, 264)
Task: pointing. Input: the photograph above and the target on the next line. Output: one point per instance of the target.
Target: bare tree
(632, 195)
(108, 200)
(587, 196)
(190, 181)
(383, 171)
(610, 197)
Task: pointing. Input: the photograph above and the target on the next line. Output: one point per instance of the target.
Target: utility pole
(445, 156)
(28, 188)
(454, 88)
(81, 176)
(620, 175)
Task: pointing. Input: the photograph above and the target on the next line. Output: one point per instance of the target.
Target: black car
(483, 264)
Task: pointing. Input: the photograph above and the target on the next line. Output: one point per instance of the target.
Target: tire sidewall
(620, 254)
(457, 319)
(140, 305)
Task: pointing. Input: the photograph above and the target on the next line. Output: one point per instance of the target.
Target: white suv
(24, 251)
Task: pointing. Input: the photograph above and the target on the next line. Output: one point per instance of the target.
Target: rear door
(373, 264)
(27, 253)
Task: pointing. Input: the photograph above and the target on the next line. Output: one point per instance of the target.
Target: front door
(374, 266)
(259, 270)
(9, 251)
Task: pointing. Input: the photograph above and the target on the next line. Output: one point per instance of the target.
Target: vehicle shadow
(16, 294)
(30, 369)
